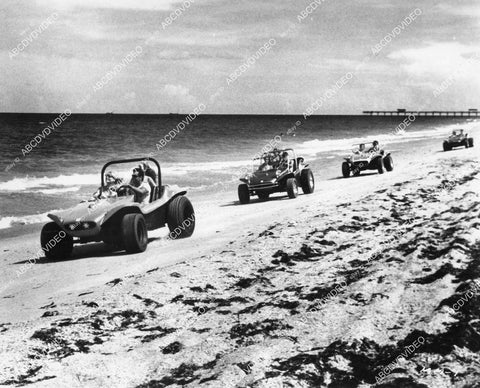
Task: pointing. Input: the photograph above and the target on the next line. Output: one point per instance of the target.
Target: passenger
(150, 172)
(151, 181)
(139, 186)
(361, 149)
(267, 163)
(275, 158)
(283, 165)
(110, 187)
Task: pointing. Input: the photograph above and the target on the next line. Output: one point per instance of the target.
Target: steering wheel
(123, 191)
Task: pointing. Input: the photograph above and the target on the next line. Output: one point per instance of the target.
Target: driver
(375, 147)
(139, 186)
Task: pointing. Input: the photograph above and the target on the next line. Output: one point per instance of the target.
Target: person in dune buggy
(110, 189)
(283, 164)
(139, 186)
(375, 147)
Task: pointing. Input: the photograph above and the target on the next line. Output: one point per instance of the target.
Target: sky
(186, 62)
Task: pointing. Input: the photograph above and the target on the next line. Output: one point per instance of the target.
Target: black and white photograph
(240, 194)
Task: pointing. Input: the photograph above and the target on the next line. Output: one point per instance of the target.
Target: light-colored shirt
(145, 198)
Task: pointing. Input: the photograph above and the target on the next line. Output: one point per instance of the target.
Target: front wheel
(292, 188)
(466, 143)
(55, 243)
(307, 181)
(181, 218)
(446, 147)
(243, 194)
(345, 169)
(134, 233)
(388, 163)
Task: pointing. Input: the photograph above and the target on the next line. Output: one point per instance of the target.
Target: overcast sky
(188, 62)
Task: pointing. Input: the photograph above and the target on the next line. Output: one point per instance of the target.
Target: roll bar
(122, 161)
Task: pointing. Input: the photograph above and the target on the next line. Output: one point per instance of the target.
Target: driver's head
(375, 143)
(137, 177)
(361, 147)
(285, 155)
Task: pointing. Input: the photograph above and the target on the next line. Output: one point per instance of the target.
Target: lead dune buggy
(271, 176)
(112, 216)
(363, 158)
(457, 139)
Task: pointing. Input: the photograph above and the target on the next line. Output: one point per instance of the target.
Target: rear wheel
(55, 243)
(388, 163)
(181, 218)
(380, 165)
(446, 147)
(466, 143)
(307, 181)
(134, 233)
(470, 142)
(292, 188)
(243, 194)
(345, 169)
(263, 196)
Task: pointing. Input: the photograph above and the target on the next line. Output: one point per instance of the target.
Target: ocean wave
(10, 221)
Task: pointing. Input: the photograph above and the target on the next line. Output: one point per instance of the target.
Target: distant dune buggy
(363, 158)
(112, 216)
(276, 171)
(457, 139)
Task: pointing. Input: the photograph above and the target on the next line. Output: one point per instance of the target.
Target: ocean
(208, 154)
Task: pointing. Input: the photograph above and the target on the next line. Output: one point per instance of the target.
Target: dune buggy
(113, 216)
(273, 173)
(457, 139)
(363, 158)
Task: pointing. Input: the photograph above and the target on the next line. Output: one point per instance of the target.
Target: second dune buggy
(276, 171)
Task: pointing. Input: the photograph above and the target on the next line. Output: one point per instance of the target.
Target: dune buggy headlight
(84, 225)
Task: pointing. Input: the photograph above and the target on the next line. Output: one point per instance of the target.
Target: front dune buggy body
(269, 177)
(118, 220)
(362, 159)
(457, 139)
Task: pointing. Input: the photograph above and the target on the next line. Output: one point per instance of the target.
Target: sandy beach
(370, 281)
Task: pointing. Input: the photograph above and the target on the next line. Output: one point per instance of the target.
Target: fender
(133, 208)
(175, 196)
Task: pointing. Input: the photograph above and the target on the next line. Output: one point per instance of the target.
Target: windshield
(272, 160)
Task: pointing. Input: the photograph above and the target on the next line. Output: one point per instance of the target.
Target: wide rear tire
(380, 165)
(292, 188)
(307, 181)
(446, 146)
(388, 163)
(466, 143)
(49, 236)
(134, 233)
(243, 194)
(470, 142)
(345, 169)
(181, 218)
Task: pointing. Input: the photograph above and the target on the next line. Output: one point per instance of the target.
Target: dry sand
(325, 290)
